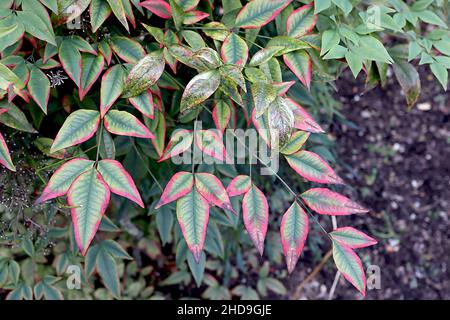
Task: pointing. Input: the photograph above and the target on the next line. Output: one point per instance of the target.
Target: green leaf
(92, 67)
(180, 141)
(63, 177)
(239, 185)
(125, 124)
(119, 11)
(193, 216)
(70, 59)
(39, 88)
(312, 167)
(300, 63)
(213, 191)
(371, 48)
(221, 115)
(197, 268)
(409, 80)
(330, 39)
(144, 74)
(79, 127)
(127, 49)
(15, 118)
(301, 21)
(144, 103)
(264, 55)
(36, 26)
(200, 88)
(350, 266)
(352, 238)
(178, 186)
(106, 145)
(89, 197)
(264, 94)
(164, 223)
(11, 77)
(119, 180)
(432, 18)
(255, 210)
(5, 158)
(321, 5)
(258, 13)
(234, 50)
(325, 201)
(289, 44)
(100, 11)
(441, 73)
(13, 24)
(113, 83)
(295, 143)
(107, 269)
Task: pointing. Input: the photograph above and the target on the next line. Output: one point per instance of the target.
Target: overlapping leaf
(210, 143)
(39, 88)
(303, 120)
(159, 7)
(63, 177)
(221, 115)
(200, 88)
(5, 158)
(234, 50)
(301, 21)
(239, 185)
(180, 141)
(300, 64)
(212, 189)
(127, 49)
(144, 103)
(111, 88)
(92, 67)
(178, 186)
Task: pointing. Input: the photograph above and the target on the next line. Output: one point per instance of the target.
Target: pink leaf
(256, 216)
(159, 7)
(239, 185)
(303, 121)
(178, 186)
(325, 201)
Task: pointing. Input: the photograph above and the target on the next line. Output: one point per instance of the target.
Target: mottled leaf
(300, 64)
(200, 88)
(303, 121)
(301, 21)
(234, 50)
(221, 115)
(258, 13)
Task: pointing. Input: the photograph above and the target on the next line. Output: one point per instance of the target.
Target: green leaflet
(281, 122)
(111, 88)
(409, 80)
(234, 50)
(200, 88)
(39, 88)
(144, 103)
(127, 49)
(36, 21)
(89, 197)
(107, 269)
(5, 158)
(180, 141)
(350, 266)
(92, 67)
(100, 11)
(119, 180)
(293, 230)
(125, 124)
(258, 13)
(352, 238)
(11, 77)
(212, 190)
(255, 211)
(63, 177)
(79, 126)
(221, 115)
(15, 31)
(15, 118)
(263, 95)
(144, 74)
(119, 12)
(70, 58)
(264, 55)
(300, 64)
(295, 143)
(193, 216)
(301, 21)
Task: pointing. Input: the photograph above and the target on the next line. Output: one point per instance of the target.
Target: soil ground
(398, 164)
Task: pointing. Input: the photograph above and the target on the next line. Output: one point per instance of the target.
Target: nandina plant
(113, 91)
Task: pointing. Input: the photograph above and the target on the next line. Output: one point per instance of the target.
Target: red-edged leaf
(255, 211)
(261, 124)
(70, 59)
(350, 266)
(158, 7)
(127, 49)
(312, 167)
(293, 230)
(221, 115)
(283, 87)
(258, 13)
(89, 197)
(239, 185)
(194, 16)
(119, 180)
(178, 186)
(300, 64)
(5, 158)
(301, 21)
(211, 144)
(111, 88)
(180, 141)
(79, 127)
(123, 123)
(193, 217)
(213, 190)
(295, 143)
(303, 121)
(328, 202)
(92, 67)
(63, 177)
(352, 238)
(144, 103)
(39, 88)
(234, 50)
